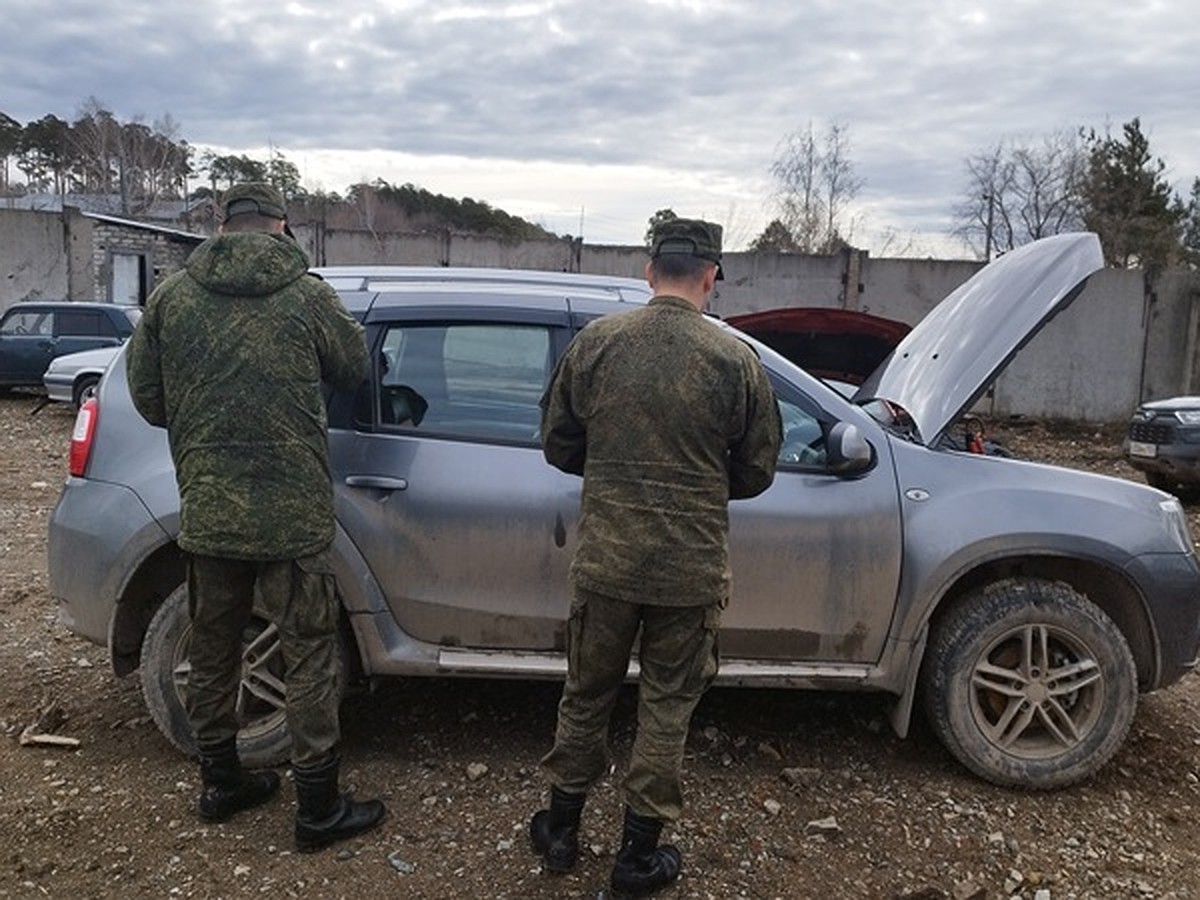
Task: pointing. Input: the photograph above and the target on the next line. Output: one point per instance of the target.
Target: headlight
(1177, 524)
(1188, 416)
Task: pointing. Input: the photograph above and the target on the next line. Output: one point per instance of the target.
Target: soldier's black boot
(642, 866)
(227, 788)
(324, 815)
(554, 832)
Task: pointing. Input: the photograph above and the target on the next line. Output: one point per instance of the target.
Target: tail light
(81, 437)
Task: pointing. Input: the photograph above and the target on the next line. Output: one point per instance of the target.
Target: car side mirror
(847, 452)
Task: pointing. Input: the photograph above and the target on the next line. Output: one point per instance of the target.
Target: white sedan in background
(72, 378)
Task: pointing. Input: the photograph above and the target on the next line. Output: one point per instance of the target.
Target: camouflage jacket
(229, 356)
(667, 417)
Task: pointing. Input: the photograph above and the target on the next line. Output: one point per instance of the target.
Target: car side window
(28, 322)
(478, 381)
(77, 324)
(84, 323)
(803, 437)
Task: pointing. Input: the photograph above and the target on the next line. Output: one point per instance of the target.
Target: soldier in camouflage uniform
(229, 357)
(667, 417)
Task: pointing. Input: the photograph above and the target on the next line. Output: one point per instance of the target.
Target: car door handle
(378, 482)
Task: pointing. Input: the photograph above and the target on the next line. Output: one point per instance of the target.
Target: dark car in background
(1163, 442)
(33, 332)
(1025, 634)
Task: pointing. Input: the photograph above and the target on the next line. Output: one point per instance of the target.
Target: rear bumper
(98, 535)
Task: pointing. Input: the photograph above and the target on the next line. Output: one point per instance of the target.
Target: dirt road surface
(788, 794)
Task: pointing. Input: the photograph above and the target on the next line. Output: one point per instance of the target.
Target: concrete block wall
(1117, 344)
(163, 255)
(1086, 362)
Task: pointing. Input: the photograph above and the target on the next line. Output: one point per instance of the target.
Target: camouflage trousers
(678, 656)
(298, 597)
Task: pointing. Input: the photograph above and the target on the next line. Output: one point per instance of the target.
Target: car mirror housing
(848, 452)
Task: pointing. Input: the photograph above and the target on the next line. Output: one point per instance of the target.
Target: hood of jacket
(247, 264)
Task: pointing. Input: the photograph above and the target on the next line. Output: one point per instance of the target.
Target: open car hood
(947, 361)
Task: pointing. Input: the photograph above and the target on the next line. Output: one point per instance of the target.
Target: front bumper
(1171, 583)
(58, 388)
(1165, 448)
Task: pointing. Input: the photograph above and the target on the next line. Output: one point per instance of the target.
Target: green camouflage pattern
(229, 357)
(678, 655)
(667, 417)
(256, 197)
(693, 237)
(299, 597)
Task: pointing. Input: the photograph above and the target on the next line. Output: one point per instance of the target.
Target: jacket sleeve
(752, 459)
(343, 348)
(564, 436)
(143, 368)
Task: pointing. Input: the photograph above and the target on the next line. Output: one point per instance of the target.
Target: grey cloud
(705, 87)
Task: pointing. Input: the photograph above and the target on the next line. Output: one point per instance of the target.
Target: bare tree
(135, 162)
(95, 144)
(795, 170)
(839, 183)
(1019, 191)
(815, 183)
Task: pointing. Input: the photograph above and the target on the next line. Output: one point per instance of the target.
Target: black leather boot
(642, 866)
(554, 832)
(325, 816)
(227, 788)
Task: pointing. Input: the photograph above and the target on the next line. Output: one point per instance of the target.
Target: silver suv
(1024, 605)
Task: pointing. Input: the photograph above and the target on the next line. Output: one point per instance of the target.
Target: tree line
(140, 164)
(1015, 192)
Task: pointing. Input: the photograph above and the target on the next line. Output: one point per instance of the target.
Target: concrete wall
(757, 281)
(1171, 327)
(1086, 363)
(34, 259)
(1123, 340)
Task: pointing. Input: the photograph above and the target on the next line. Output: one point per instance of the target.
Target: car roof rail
(377, 278)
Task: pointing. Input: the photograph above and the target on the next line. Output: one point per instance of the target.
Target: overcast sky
(586, 117)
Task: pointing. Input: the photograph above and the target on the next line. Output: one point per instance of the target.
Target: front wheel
(1029, 684)
(263, 738)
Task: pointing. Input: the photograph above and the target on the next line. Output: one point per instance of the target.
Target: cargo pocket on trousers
(708, 654)
(575, 632)
(314, 596)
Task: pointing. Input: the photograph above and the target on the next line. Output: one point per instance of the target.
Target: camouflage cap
(254, 197)
(693, 237)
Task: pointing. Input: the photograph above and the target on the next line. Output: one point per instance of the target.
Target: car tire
(1029, 684)
(263, 739)
(85, 389)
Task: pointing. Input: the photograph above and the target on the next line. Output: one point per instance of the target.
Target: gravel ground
(790, 795)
